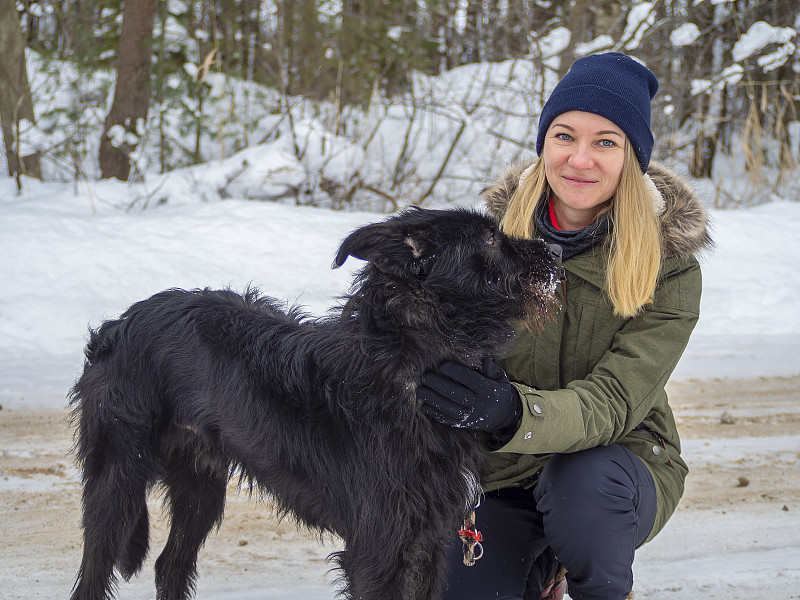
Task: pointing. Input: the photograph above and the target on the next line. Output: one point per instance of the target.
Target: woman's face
(583, 155)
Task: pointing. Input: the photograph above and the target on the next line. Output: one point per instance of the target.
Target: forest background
(359, 92)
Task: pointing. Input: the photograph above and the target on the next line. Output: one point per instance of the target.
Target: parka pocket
(647, 446)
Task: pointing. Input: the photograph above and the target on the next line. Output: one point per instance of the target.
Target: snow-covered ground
(69, 261)
(734, 548)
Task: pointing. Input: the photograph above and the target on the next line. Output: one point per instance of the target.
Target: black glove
(462, 397)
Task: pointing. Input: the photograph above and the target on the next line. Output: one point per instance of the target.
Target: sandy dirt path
(40, 497)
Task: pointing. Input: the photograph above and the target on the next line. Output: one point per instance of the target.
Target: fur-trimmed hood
(684, 223)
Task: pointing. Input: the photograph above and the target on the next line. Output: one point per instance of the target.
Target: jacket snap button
(537, 409)
(528, 435)
(656, 450)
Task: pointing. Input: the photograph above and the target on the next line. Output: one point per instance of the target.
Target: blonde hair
(634, 244)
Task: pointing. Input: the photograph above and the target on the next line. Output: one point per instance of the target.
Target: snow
(759, 35)
(640, 18)
(73, 260)
(598, 44)
(746, 554)
(684, 35)
(732, 75)
(687, 563)
(78, 253)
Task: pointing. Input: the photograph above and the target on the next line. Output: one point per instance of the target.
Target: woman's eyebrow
(607, 132)
(603, 132)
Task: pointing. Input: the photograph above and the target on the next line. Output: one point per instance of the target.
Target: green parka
(590, 377)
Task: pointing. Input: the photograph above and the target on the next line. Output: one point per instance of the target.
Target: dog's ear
(384, 246)
(363, 243)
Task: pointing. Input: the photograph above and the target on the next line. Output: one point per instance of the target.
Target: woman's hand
(464, 398)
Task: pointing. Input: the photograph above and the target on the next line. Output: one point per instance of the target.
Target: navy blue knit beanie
(613, 86)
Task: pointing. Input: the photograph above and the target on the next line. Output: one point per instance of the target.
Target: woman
(586, 461)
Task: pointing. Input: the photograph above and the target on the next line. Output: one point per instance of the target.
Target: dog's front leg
(401, 569)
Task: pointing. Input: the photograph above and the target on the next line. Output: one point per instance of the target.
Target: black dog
(186, 388)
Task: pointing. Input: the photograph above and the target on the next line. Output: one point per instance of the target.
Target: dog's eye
(490, 240)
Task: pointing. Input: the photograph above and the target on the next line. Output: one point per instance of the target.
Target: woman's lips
(579, 181)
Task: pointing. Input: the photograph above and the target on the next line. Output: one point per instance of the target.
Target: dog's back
(156, 350)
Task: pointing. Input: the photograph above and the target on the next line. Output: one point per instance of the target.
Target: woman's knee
(575, 476)
(601, 489)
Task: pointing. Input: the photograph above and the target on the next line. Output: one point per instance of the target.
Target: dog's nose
(555, 251)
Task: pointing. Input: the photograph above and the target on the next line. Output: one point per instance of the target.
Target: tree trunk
(579, 21)
(711, 114)
(16, 103)
(472, 40)
(128, 114)
(442, 27)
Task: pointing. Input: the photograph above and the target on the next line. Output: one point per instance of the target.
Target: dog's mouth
(531, 297)
(538, 299)
(537, 274)
(540, 283)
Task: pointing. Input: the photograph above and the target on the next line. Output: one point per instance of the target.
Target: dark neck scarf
(571, 242)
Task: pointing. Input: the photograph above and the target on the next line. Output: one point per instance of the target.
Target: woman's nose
(581, 158)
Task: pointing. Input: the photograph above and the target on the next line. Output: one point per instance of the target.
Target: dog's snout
(556, 252)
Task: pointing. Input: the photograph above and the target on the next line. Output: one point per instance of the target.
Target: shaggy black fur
(187, 388)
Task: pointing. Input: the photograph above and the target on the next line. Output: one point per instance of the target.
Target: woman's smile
(580, 181)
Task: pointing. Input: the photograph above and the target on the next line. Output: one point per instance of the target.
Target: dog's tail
(111, 447)
(109, 400)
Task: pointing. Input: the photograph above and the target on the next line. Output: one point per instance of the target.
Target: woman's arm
(624, 384)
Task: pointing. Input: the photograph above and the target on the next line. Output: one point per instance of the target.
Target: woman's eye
(564, 137)
(607, 143)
